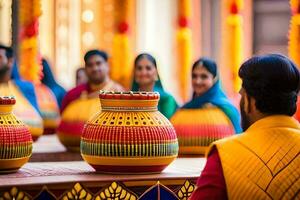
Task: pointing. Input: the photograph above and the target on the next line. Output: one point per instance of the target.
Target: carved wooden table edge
(77, 180)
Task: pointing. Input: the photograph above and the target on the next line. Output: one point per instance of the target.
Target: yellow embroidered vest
(264, 161)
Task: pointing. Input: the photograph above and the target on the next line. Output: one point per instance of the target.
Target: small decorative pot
(15, 138)
(129, 135)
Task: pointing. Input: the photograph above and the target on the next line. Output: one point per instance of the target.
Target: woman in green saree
(146, 79)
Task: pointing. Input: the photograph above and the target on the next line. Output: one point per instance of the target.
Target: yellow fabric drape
(121, 53)
(234, 27)
(30, 62)
(294, 34)
(184, 46)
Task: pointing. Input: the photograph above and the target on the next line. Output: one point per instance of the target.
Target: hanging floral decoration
(294, 33)
(30, 60)
(121, 53)
(234, 26)
(184, 46)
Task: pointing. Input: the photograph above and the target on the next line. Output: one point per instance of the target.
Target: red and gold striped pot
(15, 138)
(197, 128)
(129, 135)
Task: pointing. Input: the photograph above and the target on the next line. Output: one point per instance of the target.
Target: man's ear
(10, 62)
(252, 104)
(246, 102)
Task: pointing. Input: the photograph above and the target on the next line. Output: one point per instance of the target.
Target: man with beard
(26, 107)
(264, 161)
(82, 102)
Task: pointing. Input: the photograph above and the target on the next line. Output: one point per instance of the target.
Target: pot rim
(7, 100)
(129, 95)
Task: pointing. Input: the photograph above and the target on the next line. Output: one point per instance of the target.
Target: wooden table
(49, 149)
(71, 180)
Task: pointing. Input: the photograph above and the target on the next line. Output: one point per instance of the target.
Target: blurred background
(176, 32)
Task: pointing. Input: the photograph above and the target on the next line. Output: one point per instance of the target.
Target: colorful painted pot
(73, 119)
(129, 135)
(49, 108)
(197, 128)
(15, 138)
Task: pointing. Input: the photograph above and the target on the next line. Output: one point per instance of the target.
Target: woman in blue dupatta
(49, 80)
(209, 116)
(146, 79)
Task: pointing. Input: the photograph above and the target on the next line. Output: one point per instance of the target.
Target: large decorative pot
(15, 138)
(73, 119)
(197, 128)
(129, 135)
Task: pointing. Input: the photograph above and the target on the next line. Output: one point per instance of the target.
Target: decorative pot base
(129, 165)
(12, 165)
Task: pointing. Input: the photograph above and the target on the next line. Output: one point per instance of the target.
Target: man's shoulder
(224, 142)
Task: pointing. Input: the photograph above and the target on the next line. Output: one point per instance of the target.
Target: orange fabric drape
(294, 34)
(30, 61)
(294, 41)
(184, 46)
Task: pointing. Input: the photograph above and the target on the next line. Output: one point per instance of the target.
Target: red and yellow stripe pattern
(198, 128)
(130, 135)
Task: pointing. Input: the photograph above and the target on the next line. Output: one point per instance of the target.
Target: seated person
(209, 116)
(80, 76)
(82, 102)
(49, 80)
(263, 162)
(26, 108)
(146, 79)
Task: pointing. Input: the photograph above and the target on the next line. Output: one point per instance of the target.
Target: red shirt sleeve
(211, 184)
(72, 95)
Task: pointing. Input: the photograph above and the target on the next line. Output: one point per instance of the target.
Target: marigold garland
(234, 24)
(30, 61)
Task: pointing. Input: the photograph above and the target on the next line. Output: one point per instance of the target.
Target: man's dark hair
(273, 81)
(93, 52)
(8, 51)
